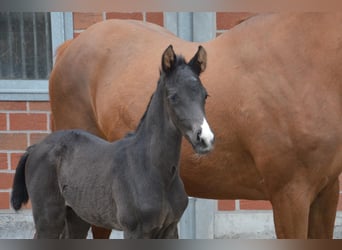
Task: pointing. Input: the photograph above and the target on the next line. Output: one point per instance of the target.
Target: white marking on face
(207, 135)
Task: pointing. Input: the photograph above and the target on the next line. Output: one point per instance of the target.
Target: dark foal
(75, 179)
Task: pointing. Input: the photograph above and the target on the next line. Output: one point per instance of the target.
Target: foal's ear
(168, 59)
(199, 62)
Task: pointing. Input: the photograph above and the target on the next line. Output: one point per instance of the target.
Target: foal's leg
(323, 212)
(49, 221)
(170, 232)
(140, 233)
(291, 213)
(76, 228)
(137, 233)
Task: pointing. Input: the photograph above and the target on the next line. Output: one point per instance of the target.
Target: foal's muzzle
(203, 139)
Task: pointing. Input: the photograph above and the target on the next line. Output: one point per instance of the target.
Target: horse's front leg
(291, 212)
(323, 212)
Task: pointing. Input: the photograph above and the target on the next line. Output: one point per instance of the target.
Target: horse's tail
(19, 191)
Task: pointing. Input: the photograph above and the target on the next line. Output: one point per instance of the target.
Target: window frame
(38, 90)
(191, 26)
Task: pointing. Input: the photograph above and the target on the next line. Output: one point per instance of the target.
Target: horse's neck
(157, 131)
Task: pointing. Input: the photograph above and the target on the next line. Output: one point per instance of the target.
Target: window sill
(24, 90)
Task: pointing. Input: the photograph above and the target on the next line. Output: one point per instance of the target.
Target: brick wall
(24, 123)
(83, 20)
(21, 124)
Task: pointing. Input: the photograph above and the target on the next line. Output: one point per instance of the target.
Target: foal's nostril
(198, 136)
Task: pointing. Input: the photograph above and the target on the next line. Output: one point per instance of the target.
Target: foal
(75, 179)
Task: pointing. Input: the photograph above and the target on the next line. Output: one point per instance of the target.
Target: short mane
(180, 60)
(141, 120)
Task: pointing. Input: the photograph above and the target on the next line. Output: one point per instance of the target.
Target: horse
(275, 105)
(74, 178)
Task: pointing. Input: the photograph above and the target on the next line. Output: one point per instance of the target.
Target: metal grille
(25, 45)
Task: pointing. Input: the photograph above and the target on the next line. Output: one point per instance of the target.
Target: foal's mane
(180, 60)
(144, 115)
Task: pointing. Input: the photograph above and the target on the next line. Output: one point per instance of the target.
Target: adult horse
(275, 106)
(74, 178)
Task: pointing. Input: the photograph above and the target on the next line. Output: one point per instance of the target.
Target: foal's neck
(158, 133)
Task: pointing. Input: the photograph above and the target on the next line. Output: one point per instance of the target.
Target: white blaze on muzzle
(207, 135)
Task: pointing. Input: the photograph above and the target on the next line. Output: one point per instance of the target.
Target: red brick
(51, 128)
(125, 15)
(226, 205)
(227, 20)
(17, 141)
(39, 106)
(255, 205)
(4, 200)
(50, 124)
(3, 161)
(23, 121)
(3, 121)
(155, 17)
(37, 137)
(12, 106)
(15, 157)
(84, 20)
(6, 180)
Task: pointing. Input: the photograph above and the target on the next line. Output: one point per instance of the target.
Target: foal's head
(185, 97)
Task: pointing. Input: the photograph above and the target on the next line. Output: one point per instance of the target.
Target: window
(191, 26)
(27, 45)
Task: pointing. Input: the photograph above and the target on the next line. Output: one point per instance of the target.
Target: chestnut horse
(275, 84)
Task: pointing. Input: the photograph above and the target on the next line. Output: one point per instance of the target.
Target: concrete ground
(233, 225)
(20, 226)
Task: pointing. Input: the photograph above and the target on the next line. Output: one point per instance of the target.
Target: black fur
(19, 191)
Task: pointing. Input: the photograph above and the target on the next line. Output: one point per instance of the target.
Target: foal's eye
(174, 98)
(206, 96)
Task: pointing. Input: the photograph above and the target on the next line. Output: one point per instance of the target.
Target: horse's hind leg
(76, 228)
(323, 212)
